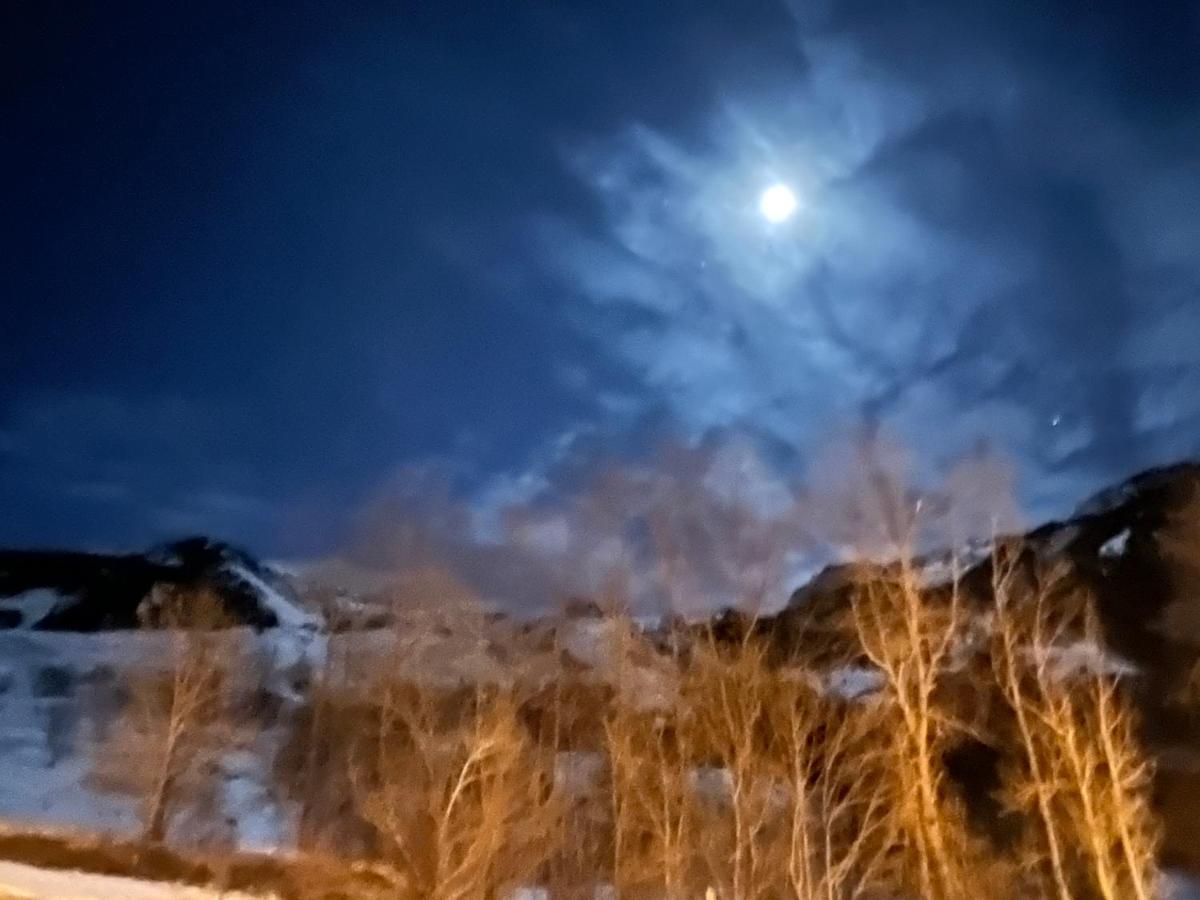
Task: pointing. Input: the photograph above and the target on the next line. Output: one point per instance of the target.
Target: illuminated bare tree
(840, 833)
(462, 799)
(1083, 778)
(911, 639)
(653, 811)
(728, 691)
(166, 747)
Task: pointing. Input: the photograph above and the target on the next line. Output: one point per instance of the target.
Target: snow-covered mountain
(1117, 545)
(72, 626)
(53, 590)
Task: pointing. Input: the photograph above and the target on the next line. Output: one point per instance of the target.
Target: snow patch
(286, 612)
(589, 642)
(577, 772)
(1178, 886)
(946, 568)
(852, 682)
(297, 646)
(258, 820)
(711, 783)
(33, 605)
(648, 623)
(1115, 546)
(1069, 660)
(529, 893)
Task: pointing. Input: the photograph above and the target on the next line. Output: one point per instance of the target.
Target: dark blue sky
(257, 259)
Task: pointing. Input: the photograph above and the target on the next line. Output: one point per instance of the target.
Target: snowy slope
(68, 641)
(59, 691)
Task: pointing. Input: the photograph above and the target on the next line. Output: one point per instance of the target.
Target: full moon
(777, 203)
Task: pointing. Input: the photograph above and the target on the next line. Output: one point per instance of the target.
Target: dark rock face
(1123, 548)
(1114, 547)
(98, 592)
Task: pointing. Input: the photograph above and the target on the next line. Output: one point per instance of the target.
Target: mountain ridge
(65, 590)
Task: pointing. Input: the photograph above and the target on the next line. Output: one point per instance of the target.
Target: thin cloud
(971, 258)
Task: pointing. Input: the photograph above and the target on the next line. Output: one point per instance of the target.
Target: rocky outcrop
(69, 591)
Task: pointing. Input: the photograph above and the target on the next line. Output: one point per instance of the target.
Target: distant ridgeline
(1135, 548)
(68, 591)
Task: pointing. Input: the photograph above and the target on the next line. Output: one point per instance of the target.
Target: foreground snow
(22, 882)
(30, 883)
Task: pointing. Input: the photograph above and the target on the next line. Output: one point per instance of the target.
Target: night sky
(260, 261)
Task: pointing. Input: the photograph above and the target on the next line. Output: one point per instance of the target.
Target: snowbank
(30, 883)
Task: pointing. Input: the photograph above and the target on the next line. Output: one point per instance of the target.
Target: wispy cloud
(989, 245)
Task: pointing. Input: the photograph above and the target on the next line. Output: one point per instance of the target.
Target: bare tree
(840, 834)
(727, 691)
(1083, 776)
(165, 749)
(460, 799)
(653, 813)
(460, 796)
(911, 638)
(312, 766)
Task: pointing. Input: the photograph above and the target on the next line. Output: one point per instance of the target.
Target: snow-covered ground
(1179, 887)
(31, 883)
(58, 696)
(60, 692)
(22, 882)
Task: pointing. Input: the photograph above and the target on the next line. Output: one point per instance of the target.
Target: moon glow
(777, 203)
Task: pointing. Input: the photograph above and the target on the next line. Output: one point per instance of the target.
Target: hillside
(303, 696)
(57, 590)
(1135, 550)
